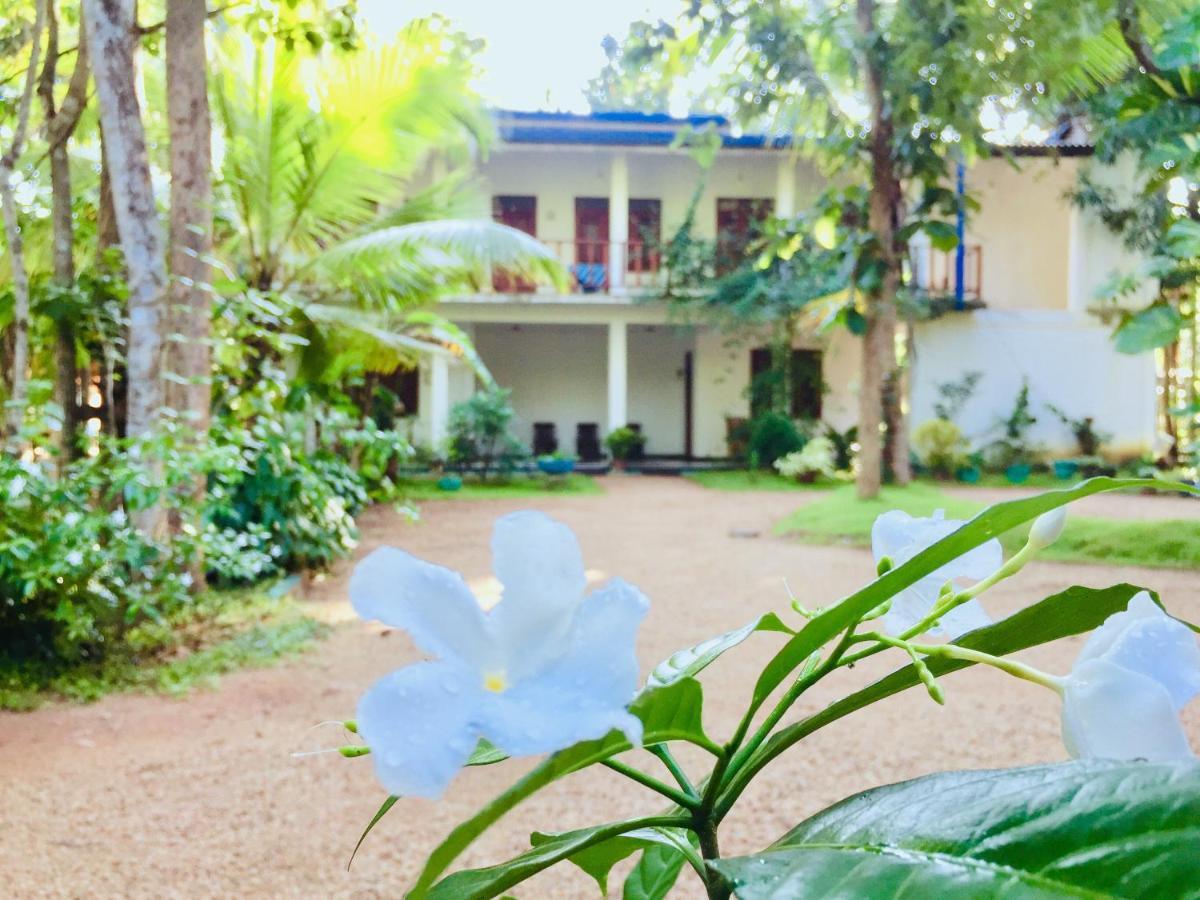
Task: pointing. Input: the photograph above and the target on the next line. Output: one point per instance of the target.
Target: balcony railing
(935, 270)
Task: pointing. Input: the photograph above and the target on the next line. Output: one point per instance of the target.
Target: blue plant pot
(556, 466)
(1065, 468)
(1018, 473)
(449, 483)
(969, 474)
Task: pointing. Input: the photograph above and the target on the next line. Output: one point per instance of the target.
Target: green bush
(941, 446)
(624, 442)
(773, 436)
(479, 433)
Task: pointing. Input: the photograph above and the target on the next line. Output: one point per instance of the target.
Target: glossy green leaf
(693, 660)
(597, 860)
(480, 883)
(1088, 828)
(671, 713)
(1155, 326)
(379, 814)
(942, 235)
(990, 523)
(654, 875)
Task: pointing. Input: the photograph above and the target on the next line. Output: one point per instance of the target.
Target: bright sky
(540, 53)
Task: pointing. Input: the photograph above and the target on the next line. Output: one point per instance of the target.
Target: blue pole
(960, 252)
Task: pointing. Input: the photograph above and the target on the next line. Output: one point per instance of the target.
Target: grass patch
(226, 630)
(751, 480)
(499, 489)
(840, 517)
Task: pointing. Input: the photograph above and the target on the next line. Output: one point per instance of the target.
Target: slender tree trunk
(12, 233)
(189, 350)
(879, 349)
(111, 37)
(898, 422)
(60, 125)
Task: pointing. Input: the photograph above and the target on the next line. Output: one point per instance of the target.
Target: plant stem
(678, 797)
(1020, 670)
(663, 752)
(714, 882)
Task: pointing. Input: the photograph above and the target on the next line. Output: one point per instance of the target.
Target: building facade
(602, 190)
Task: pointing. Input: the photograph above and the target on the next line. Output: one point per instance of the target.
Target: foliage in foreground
(1117, 821)
(840, 517)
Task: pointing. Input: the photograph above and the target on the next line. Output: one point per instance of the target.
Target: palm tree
(323, 164)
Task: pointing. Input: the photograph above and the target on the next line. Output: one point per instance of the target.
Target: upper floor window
(516, 212)
(645, 234)
(738, 219)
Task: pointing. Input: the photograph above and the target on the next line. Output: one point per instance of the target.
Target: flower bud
(884, 566)
(1047, 527)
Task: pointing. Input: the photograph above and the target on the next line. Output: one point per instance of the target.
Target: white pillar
(785, 186)
(618, 383)
(439, 400)
(618, 222)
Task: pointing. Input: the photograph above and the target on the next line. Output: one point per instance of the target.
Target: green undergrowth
(224, 631)
(841, 518)
(518, 486)
(751, 480)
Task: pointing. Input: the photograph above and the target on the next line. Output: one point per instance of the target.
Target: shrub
(1087, 438)
(1013, 446)
(818, 459)
(773, 435)
(940, 446)
(624, 442)
(844, 446)
(479, 433)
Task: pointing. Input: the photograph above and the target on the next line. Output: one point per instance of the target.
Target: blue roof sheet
(619, 129)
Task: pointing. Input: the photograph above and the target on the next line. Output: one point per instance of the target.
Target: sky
(540, 54)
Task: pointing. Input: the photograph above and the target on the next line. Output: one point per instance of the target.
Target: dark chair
(587, 442)
(545, 438)
(639, 452)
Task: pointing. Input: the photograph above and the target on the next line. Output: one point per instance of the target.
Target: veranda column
(785, 186)
(618, 385)
(439, 400)
(618, 222)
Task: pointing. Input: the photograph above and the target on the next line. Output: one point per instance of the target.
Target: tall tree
(112, 35)
(61, 120)
(12, 230)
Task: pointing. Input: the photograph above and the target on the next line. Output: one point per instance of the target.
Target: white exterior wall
(1069, 361)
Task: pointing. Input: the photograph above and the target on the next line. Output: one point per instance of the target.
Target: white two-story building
(602, 189)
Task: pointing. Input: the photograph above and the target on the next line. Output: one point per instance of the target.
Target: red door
(645, 234)
(591, 243)
(519, 213)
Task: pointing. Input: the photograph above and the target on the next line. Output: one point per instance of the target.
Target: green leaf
(693, 660)
(549, 850)
(991, 522)
(1088, 828)
(943, 235)
(597, 860)
(825, 232)
(1074, 611)
(379, 814)
(671, 713)
(1153, 327)
(654, 875)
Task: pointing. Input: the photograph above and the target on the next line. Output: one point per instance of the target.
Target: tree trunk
(111, 37)
(190, 298)
(879, 349)
(60, 125)
(12, 234)
(898, 422)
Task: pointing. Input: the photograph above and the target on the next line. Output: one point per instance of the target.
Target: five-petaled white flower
(1123, 696)
(899, 537)
(544, 669)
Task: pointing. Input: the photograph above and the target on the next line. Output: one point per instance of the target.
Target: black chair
(637, 453)
(587, 442)
(545, 438)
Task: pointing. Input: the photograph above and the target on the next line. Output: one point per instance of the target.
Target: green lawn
(840, 517)
(751, 480)
(516, 486)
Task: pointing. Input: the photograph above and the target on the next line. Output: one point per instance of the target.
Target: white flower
(74, 559)
(1123, 696)
(544, 669)
(900, 537)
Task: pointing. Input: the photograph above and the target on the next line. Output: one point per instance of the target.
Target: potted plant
(971, 471)
(556, 464)
(941, 447)
(1012, 453)
(1088, 440)
(624, 443)
(449, 483)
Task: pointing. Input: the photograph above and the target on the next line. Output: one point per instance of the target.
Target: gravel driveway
(147, 796)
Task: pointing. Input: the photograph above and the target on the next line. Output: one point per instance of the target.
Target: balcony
(933, 271)
(597, 267)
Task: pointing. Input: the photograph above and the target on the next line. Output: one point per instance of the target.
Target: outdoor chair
(587, 442)
(545, 438)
